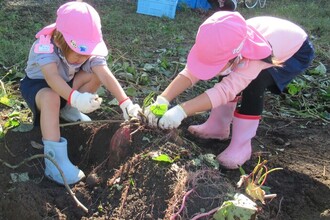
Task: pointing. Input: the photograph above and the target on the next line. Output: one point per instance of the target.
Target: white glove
(172, 118)
(85, 102)
(129, 109)
(152, 118)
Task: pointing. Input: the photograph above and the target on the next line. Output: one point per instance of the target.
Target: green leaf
(163, 158)
(143, 79)
(158, 110)
(209, 160)
(319, 70)
(125, 75)
(241, 208)
(292, 89)
(149, 67)
(130, 91)
(11, 123)
(164, 63)
(130, 69)
(113, 102)
(131, 182)
(6, 101)
(266, 189)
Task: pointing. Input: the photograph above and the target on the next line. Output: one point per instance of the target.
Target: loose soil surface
(123, 182)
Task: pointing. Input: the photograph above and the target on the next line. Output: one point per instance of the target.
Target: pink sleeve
(231, 85)
(185, 72)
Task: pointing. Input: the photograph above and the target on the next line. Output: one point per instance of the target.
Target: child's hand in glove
(129, 109)
(84, 102)
(172, 118)
(152, 117)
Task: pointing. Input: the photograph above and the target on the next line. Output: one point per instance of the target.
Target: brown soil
(123, 182)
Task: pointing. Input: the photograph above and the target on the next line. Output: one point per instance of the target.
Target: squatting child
(66, 66)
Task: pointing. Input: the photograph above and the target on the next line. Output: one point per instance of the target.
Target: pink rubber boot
(217, 125)
(240, 149)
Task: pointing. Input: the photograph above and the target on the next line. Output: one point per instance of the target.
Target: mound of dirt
(154, 174)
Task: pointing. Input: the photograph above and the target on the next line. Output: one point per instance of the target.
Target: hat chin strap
(238, 58)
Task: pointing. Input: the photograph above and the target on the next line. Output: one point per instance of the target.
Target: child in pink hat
(66, 65)
(249, 56)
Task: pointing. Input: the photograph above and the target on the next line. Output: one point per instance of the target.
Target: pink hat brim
(100, 49)
(201, 70)
(94, 48)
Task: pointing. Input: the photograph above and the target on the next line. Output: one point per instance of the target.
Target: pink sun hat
(80, 25)
(222, 37)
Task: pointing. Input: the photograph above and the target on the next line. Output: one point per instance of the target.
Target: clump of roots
(203, 190)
